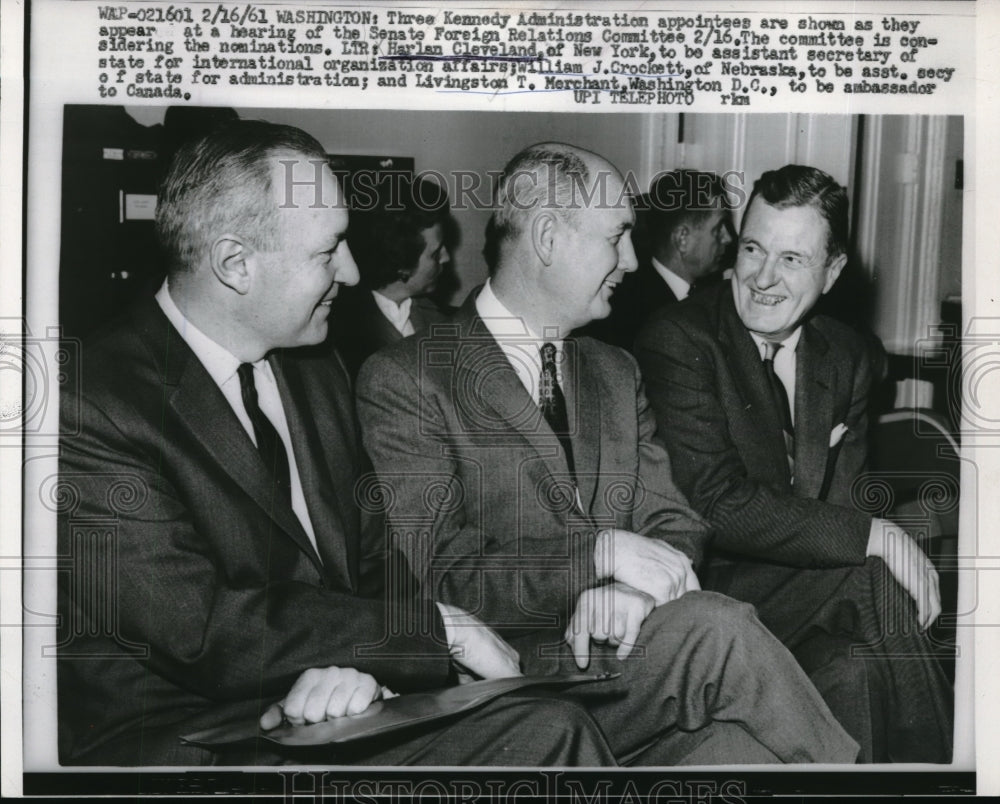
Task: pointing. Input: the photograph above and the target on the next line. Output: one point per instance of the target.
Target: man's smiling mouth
(767, 299)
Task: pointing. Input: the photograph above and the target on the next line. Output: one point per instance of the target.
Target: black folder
(389, 715)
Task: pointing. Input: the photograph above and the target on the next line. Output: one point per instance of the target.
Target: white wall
(465, 141)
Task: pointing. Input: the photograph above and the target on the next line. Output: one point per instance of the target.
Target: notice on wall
(665, 61)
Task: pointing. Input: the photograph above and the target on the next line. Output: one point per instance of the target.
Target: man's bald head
(552, 176)
(560, 235)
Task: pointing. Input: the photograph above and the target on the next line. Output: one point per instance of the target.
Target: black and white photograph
(473, 449)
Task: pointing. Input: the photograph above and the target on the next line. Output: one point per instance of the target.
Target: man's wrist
(603, 558)
(449, 628)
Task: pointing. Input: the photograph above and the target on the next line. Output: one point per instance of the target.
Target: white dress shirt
(523, 349)
(680, 286)
(521, 346)
(398, 314)
(221, 365)
(784, 363)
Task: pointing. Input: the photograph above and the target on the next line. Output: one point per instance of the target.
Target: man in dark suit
(763, 410)
(208, 473)
(683, 234)
(401, 248)
(523, 482)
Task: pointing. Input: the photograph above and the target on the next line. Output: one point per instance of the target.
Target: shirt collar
(788, 345)
(219, 362)
(502, 323)
(398, 314)
(680, 286)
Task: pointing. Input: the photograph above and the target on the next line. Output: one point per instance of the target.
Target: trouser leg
(882, 678)
(714, 744)
(701, 659)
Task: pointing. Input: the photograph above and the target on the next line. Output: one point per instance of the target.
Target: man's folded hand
(321, 693)
(649, 565)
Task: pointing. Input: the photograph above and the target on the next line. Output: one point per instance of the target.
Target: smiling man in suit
(763, 408)
(524, 483)
(219, 462)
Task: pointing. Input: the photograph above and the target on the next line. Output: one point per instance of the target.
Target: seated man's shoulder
(126, 352)
(409, 356)
(433, 311)
(613, 363)
(842, 337)
(697, 317)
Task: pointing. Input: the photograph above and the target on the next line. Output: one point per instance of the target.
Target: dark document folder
(386, 716)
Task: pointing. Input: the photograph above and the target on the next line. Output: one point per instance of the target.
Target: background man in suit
(763, 409)
(401, 250)
(525, 483)
(220, 464)
(682, 239)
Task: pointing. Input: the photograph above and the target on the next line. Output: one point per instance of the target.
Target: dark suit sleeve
(664, 512)
(747, 516)
(406, 433)
(207, 629)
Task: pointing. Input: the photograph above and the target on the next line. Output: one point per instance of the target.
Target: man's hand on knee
(611, 614)
(909, 565)
(648, 565)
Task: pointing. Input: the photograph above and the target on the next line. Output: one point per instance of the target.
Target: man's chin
(315, 333)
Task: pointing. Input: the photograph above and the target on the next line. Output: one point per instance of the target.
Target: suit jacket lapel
(202, 408)
(321, 493)
(485, 379)
(748, 370)
(814, 381)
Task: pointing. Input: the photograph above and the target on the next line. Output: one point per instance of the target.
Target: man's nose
(347, 269)
(767, 274)
(627, 261)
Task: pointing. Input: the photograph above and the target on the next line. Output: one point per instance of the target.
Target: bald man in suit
(523, 482)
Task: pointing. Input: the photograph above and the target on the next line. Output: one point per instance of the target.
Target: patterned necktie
(553, 403)
(269, 444)
(780, 395)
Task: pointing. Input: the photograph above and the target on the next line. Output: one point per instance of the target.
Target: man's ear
(679, 238)
(230, 255)
(543, 235)
(833, 269)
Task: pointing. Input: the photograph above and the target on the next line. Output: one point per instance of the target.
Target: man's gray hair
(549, 175)
(221, 183)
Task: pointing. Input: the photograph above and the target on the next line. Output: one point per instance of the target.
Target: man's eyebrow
(333, 241)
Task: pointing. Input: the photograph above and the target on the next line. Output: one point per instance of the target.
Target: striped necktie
(553, 403)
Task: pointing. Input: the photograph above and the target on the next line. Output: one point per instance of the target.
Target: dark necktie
(553, 403)
(780, 395)
(269, 444)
